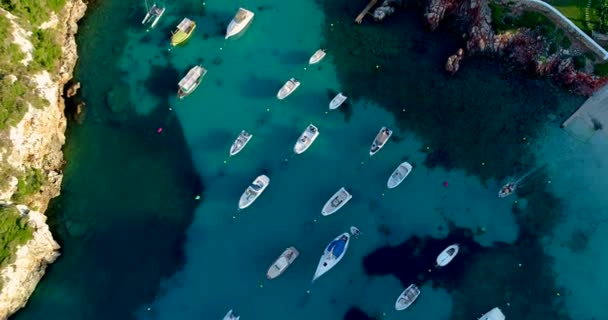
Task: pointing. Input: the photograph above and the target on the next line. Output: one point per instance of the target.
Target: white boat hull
(306, 139)
(245, 137)
(328, 260)
(402, 171)
(317, 57)
(250, 194)
(236, 27)
(407, 297)
(282, 263)
(337, 101)
(286, 90)
(231, 315)
(447, 255)
(329, 208)
(376, 146)
(494, 314)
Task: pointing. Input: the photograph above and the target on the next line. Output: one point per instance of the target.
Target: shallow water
(130, 190)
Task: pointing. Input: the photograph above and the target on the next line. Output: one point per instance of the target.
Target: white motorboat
(282, 263)
(337, 101)
(153, 15)
(507, 190)
(402, 171)
(447, 255)
(242, 18)
(231, 315)
(334, 252)
(337, 201)
(288, 88)
(317, 56)
(355, 232)
(240, 142)
(191, 81)
(254, 191)
(407, 297)
(383, 135)
(494, 314)
(306, 139)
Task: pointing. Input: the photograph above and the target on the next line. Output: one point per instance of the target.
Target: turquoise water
(135, 246)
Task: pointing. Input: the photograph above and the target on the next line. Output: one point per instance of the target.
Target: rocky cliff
(35, 143)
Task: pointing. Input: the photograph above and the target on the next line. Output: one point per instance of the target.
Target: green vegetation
(602, 10)
(33, 11)
(47, 50)
(576, 11)
(601, 69)
(14, 231)
(29, 184)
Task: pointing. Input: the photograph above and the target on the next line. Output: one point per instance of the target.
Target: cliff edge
(32, 127)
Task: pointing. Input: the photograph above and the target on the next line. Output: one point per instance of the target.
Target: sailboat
(407, 297)
(190, 82)
(242, 18)
(317, 56)
(182, 32)
(153, 14)
(306, 139)
(334, 252)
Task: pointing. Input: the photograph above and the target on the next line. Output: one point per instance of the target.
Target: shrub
(33, 11)
(46, 50)
(14, 231)
(12, 101)
(29, 184)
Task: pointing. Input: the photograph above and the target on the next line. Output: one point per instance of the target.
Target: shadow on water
(162, 80)
(259, 87)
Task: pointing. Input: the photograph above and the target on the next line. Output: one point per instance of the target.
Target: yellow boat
(182, 32)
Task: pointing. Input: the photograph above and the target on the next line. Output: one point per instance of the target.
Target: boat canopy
(336, 247)
(185, 25)
(191, 78)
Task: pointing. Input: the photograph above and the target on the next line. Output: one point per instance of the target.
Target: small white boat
(282, 263)
(337, 101)
(402, 171)
(337, 201)
(317, 56)
(231, 315)
(153, 15)
(288, 88)
(242, 18)
(507, 190)
(306, 139)
(355, 232)
(191, 81)
(383, 135)
(334, 252)
(494, 314)
(240, 142)
(447, 255)
(407, 297)
(254, 191)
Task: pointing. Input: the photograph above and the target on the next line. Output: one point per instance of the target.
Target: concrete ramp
(590, 118)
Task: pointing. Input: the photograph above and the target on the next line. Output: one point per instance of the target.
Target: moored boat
(231, 315)
(337, 101)
(282, 263)
(317, 56)
(407, 297)
(190, 82)
(447, 255)
(182, 32)
(402, 171)
(337, 201)
(334, 252)
(288, 88)
(383, 135)
(240, 142)
(153, 15)
(355, 232)
(241, 19)
(494, 314)
(507, 190)
(306, 139)
(253, 191)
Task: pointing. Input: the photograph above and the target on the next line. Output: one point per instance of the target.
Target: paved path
(565, 23)
(595, 109)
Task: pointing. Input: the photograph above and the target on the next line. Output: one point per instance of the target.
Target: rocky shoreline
(37, 142)
(524, 47)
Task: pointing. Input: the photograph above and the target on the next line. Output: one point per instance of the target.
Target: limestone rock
(72, 90)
